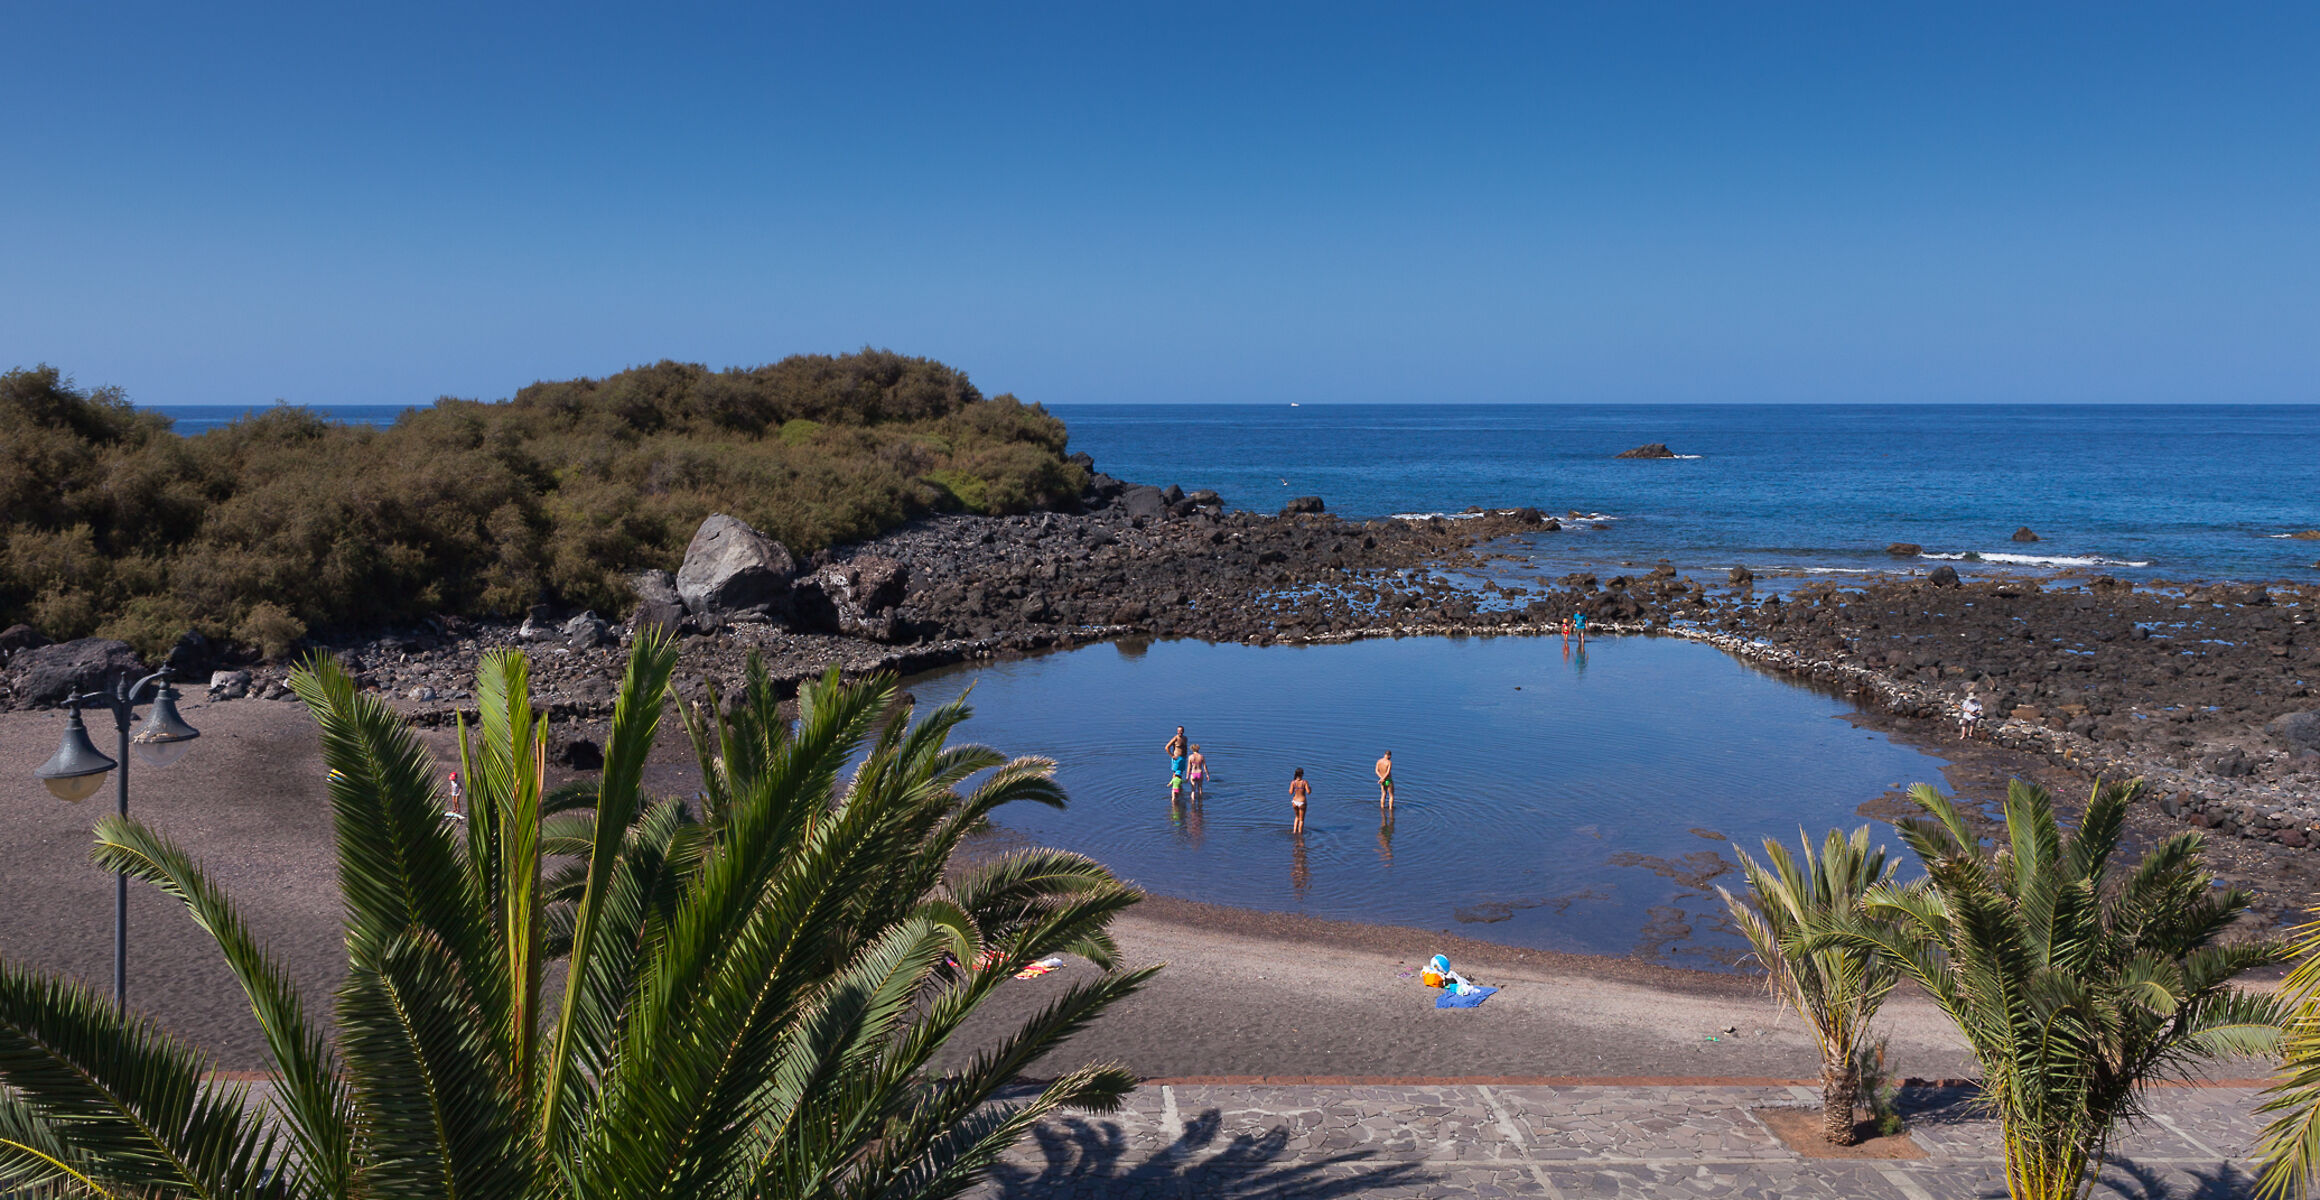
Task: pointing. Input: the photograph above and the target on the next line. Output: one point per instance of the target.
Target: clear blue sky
(1247, 202)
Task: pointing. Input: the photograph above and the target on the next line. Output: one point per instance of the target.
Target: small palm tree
(2291, 1152)
(2076, 982)
(749, 1005)
(1836, 988)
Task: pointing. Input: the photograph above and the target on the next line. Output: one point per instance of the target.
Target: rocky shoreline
(2206, 691)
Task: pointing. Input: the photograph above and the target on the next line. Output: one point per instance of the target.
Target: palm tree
(2291, 1152)
(2076, 981)
(749, 1005)
(1835, 988)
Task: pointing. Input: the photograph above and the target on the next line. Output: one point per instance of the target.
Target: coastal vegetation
(2076, 982)
(284, 522)
(1835, 988)
(748, 998)
(2291, 1144)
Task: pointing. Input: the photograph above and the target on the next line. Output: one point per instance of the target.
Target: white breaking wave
(1496, 512)
(2043, 560)
(1686, 456)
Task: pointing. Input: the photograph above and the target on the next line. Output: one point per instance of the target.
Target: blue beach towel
(1450, 999)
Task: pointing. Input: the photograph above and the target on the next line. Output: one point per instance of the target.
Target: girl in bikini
(1197, 765)
(1299, 791)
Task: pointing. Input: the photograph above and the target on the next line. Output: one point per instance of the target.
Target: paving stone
(1470, 1142)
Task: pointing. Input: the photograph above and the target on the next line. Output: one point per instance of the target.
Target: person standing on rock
(1970, 717)
(1178, 747)
(1385, 778)
(1299, 792)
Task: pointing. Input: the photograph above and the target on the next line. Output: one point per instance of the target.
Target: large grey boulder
(47, 674)
(2298, 731)
(733, 570)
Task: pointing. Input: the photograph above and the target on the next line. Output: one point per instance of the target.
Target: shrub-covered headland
(283, 521)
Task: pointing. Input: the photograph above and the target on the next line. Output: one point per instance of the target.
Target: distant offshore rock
(2306, 535)
(1654, 450)
(1904, 549)
(2024, 535)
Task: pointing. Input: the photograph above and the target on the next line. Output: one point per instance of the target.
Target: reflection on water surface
(1546, 797)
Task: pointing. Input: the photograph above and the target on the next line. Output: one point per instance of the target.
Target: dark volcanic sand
(1247, 993)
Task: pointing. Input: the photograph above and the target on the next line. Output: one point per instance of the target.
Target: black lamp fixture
(79, 768)
(166, 737)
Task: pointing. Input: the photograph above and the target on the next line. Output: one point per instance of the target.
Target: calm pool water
(1547, 798)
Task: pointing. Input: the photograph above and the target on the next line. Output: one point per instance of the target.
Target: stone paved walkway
(1306, 1142)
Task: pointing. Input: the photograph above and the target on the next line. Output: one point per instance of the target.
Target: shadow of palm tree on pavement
(1090, 1158)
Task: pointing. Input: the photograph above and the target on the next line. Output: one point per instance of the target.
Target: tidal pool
(1567, 800)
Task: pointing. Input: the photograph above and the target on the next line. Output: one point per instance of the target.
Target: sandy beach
(1245, 993)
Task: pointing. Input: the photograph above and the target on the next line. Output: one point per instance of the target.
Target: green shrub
(113, 522)
(273, 632)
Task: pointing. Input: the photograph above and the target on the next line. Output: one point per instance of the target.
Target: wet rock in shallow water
(1944, 575)
(2024, 535)
(1741, 574)
(1301, 506)
(1904, 549)
(732, 569)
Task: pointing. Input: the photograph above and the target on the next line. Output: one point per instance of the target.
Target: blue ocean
(2174, 492)
(2138, 491)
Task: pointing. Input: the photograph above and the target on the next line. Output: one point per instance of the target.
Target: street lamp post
(79, 769)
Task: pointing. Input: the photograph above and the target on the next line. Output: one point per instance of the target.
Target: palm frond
(309, 1091)
(131, 1108)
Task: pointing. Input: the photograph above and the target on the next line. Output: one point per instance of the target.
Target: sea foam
(2042, 560)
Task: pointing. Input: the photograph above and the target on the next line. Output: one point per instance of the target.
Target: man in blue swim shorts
(1178, 747)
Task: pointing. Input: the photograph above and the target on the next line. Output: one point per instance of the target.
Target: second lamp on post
(79, 769)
